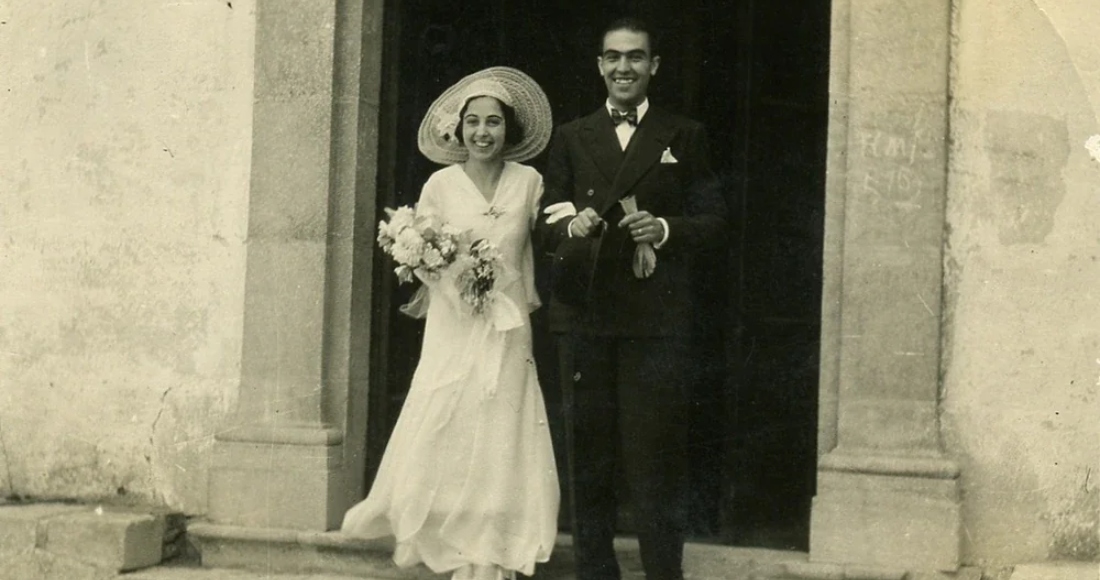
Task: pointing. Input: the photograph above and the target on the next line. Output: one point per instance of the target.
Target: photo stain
(1027, 154)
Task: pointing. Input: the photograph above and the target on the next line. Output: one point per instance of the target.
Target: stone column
(887, 496)
(283, 460)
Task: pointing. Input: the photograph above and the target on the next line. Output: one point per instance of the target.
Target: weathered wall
(1023, 279)
(124, 160)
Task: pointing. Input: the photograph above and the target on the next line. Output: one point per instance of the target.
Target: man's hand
(644, 228)
(585, 223)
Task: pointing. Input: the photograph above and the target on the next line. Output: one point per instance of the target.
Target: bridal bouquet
(425, 247)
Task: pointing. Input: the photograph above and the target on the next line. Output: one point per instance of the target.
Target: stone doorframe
(292, 454)
(887, 495)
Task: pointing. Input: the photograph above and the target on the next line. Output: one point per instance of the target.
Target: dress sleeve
(534, 199)
(429, 198)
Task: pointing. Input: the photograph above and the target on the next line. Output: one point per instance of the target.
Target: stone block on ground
(114, 540)
(19, 524)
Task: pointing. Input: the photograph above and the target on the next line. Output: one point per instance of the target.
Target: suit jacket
(587, 166)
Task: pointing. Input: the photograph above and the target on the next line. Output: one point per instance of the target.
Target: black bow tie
(630, 116)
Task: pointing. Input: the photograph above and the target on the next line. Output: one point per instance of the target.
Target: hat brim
(528, 100)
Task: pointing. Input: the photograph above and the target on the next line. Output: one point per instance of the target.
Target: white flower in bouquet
(433, 259)
(400, 219)
(408, 247)
(448, 242)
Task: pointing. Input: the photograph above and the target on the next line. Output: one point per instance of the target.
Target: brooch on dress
(494, 212)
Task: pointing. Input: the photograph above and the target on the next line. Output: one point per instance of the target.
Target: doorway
(756, 74)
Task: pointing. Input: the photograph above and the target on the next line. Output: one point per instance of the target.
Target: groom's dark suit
(624, 344)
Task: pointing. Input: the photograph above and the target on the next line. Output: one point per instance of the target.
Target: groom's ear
(653, 67)
(599, 64)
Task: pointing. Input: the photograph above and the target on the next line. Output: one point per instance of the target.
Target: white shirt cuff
(664, 238)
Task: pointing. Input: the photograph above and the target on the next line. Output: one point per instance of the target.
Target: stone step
(193, 573)
(274, 551)
(284, 551)
(1057, 571)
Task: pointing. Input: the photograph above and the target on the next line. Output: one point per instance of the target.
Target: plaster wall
(1022, 341)
(125, 140)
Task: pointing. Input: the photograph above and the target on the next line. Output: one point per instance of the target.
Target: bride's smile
(484, 129)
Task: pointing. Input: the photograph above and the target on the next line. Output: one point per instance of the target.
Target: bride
(467, 483)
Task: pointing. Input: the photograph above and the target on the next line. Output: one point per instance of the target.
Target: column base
(886, 512)
(278, 477)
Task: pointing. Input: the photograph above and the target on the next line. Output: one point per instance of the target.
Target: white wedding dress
(468, 482)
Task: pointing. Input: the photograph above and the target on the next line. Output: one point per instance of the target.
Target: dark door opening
(756, 75)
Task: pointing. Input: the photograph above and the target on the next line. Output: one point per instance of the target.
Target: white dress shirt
(625, 130)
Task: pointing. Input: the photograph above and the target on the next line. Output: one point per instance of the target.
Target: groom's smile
(626, 64)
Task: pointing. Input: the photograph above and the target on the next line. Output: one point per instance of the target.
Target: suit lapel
(651, 138)
(603, 145)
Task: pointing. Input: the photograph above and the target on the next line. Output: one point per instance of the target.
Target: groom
(629, 203)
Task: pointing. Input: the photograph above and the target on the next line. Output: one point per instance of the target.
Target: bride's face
(483, 129)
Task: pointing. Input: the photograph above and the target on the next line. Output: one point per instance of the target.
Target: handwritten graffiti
(893, 156)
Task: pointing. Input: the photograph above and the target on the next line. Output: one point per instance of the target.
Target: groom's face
(626, 64)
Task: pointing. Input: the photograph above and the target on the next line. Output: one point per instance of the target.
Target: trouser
(626, 411)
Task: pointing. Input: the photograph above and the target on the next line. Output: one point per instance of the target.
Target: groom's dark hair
(632, 24)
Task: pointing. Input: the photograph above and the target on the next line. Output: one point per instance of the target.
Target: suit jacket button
(591, 192)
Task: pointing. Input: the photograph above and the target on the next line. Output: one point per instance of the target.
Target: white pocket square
(667, 157)
(559, 211)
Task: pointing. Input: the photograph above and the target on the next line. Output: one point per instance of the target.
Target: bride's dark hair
(513, 130)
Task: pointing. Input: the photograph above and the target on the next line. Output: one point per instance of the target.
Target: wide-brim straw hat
(437, 135)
